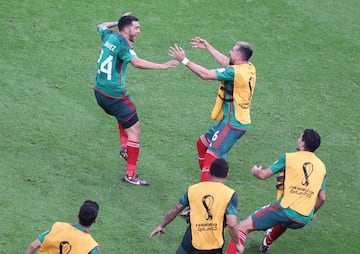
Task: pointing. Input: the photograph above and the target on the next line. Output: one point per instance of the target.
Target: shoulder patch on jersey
(220, 70)
(132, 52)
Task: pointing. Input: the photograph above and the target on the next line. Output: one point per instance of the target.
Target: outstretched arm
(172, 213)
(260, 173)
(231, 221)
(144, 64)
(179, 54)
(320, 200)
(33, 247)
(198, 42)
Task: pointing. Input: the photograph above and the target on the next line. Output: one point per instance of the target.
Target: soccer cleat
(123, 153)
(136, 180)
(264, 246)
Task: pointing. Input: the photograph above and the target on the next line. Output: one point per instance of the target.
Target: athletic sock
(202, 145)
(133, 151)
(123, 136)
(231, 248)
(242, 236)
(205, 174)
(276, 232)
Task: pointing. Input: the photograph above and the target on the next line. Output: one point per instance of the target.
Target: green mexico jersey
(115, 55)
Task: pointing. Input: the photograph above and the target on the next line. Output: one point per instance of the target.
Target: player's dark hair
(125, 21)
(88, 213)
(311, 139)
(245, 50)
(219, 168)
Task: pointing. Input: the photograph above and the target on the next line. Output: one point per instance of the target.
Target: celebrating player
(302, 196)
(232, 106)
(110, 89)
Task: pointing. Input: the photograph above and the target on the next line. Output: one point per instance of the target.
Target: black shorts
(123, 109)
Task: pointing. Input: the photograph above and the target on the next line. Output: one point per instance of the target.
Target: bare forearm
(219, 57)
(108, 24)
(233, 228)
(172, 213)
(234, 234)
(318, 205)
(144, 64)
(320, 200)
(260, 173)
(198, 42)
(33, 247)
(200, 71)
(30, 250)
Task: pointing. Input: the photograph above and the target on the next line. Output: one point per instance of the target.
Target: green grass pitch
(58, 147)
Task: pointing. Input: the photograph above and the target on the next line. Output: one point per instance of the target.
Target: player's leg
(125, 112)
(132, 148)
(222, 138)
(262, 219)
(245, 227)
(123, 141)
(276, 231)
(202, 145)
(133, 152)
(110, 106)
(205, 171)
(210, 154)
(270, 236)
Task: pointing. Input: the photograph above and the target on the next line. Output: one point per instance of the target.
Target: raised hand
(126, 14)
(177, 52)
(198, 42)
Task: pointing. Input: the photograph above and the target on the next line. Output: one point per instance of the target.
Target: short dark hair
(125, 21)
(245, 50)
(311, 139)
(219, 168)
(88, 213)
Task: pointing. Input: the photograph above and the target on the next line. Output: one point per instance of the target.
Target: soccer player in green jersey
(302, 196)
(237, 78)
(110, 88)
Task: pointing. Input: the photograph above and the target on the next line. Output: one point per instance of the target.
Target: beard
(231, 62)
(132, 37)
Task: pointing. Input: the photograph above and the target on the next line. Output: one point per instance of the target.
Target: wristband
(185, 61)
